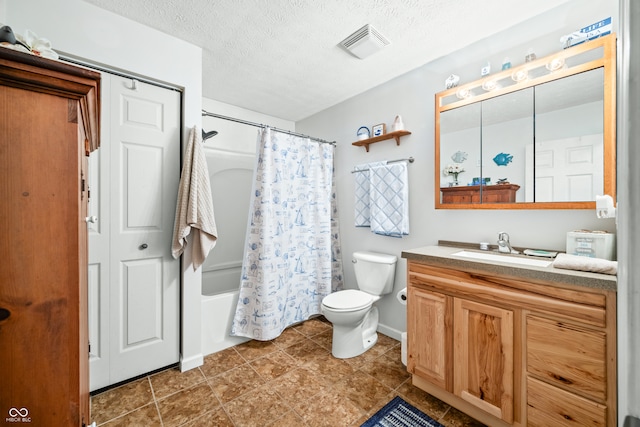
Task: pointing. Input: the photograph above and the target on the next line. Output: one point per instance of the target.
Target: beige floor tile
(289, 337)
(389, 372)
(428, 404)
(222, 361)
(216, 418)
(312, 327)
(172, 381)
(274, 365)
(290, 419)
(253, 409)
(146, 416)
(362, 389)
(187, 405)
(328, 409)
(121, 400)
(325, 339)
(251, 350)
(455, 418)
(231, 384)
(298, 385)
(305, 351)
(327, 366)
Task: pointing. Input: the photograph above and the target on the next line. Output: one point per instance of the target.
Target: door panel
(483, 354)
(99, 274)
(428, 328)
(145, 144)
(142, 155)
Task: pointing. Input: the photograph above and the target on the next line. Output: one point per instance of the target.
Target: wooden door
(430, 336)
(483, 357)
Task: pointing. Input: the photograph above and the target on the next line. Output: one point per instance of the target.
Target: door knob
(143, 246)
(93, 219)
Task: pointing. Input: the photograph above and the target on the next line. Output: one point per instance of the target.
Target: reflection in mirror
(507, 130)
(569, 152)
(460, 133)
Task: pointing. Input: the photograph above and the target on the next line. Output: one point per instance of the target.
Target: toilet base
(350, 341)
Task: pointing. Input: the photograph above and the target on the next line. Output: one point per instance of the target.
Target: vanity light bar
(521, 75)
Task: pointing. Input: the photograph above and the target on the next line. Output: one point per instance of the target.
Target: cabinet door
(430, 336)
(483, 355)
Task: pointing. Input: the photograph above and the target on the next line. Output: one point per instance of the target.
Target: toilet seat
(347, 300)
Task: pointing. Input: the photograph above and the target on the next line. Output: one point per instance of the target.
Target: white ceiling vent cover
(364, 42)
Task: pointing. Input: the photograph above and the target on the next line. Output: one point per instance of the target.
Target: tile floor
(290, 381)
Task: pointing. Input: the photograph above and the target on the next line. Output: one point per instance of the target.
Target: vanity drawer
(550, 406)
(567, 355)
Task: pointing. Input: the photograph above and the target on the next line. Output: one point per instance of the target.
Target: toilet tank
(375, 272)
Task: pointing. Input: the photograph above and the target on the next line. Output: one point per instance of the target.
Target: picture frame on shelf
(378, 130)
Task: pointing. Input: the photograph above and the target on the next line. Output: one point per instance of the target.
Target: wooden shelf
(391, 135)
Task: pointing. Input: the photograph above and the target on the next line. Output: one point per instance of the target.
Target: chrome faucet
(504, 245)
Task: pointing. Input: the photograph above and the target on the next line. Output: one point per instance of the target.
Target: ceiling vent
(364, 42)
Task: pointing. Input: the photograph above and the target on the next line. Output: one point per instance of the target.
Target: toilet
(351, 311)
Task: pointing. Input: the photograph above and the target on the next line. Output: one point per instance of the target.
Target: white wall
(85, 31)
(412, 96)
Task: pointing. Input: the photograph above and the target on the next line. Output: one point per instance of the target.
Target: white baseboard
(192, 362)
(390, 332)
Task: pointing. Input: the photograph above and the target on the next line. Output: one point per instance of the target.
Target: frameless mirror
(543, 141)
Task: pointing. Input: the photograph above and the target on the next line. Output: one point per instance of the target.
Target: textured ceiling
(281, 57)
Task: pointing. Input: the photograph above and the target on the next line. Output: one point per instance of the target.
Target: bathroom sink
(503, 258)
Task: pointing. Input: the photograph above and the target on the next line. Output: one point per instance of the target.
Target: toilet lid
(349, 299)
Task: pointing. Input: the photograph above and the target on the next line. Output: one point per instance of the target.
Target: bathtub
(219, 298)
(231, 178)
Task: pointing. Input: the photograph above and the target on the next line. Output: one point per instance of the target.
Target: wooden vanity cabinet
(49, 124)
(508, 351)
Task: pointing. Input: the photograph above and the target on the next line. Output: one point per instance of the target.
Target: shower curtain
(292, 249)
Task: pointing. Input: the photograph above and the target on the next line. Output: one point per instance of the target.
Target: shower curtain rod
(245, 122)
(410, 160)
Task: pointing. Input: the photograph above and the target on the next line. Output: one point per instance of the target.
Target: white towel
(362, 179)
(194, 209)
(389, 199)
(583, 263)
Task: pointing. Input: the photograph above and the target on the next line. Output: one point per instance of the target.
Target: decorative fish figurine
(503, 159)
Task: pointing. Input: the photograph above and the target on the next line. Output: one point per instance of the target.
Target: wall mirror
(537, 136)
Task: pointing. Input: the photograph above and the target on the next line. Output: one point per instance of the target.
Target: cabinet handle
(143, 246)
(91, 219)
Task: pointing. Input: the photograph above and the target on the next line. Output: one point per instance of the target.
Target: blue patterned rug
(399, 413)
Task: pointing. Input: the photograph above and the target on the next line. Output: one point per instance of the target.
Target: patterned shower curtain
(292, 250)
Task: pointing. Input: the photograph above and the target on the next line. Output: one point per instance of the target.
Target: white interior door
(568, 169)
(135, 317)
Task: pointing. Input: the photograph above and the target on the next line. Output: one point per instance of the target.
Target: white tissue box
(593, 244)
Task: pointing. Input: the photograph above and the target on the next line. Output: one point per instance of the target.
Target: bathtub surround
(292, 255)
(194, 210)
